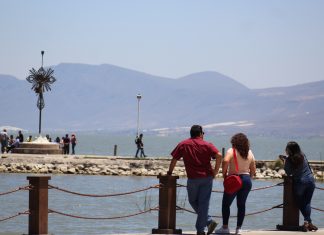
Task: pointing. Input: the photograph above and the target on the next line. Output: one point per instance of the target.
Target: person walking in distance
(238, 160)
(197, 155)
(140, 146)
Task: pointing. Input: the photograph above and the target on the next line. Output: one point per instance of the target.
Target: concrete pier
(250, 232)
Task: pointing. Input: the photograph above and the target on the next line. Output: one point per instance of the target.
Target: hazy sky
(257, 42)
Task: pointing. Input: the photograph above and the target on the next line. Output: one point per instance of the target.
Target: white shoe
(222, 231)
(238, 231)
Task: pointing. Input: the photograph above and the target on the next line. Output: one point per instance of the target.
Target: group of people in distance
(65, 143)
(9, 142)
(197, 155)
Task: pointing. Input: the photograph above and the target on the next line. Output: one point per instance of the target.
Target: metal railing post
(167, 205)
(38, 205)
(290, 217)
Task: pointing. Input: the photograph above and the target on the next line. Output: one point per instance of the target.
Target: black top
(21, 138)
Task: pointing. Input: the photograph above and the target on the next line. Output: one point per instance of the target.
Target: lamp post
(40, 102)
(42, 52)
(139, 96)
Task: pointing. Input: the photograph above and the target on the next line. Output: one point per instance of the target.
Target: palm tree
(41, 81)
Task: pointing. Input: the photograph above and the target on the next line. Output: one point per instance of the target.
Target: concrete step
(37, 151)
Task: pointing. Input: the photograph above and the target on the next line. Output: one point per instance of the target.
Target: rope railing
(254, 189)
(248, 214)
(266, 187)
(102, 195)
(319, 188)
(27, 187)
(317, 209)
(16, 215)
(102, 218)
(38, 195)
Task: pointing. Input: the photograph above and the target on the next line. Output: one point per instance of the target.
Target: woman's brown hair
(241, 143)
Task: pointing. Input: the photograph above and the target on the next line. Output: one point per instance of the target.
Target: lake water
(264, 148)
(129, 204)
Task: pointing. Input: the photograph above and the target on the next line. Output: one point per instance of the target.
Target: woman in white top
(246, 171)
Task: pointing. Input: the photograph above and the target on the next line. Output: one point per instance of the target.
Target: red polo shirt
(196, 154)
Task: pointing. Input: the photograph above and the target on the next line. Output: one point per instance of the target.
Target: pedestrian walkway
(256, 232)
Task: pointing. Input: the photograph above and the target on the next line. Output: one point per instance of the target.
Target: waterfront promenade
(250, 232)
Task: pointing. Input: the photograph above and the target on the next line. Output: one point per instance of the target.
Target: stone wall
(94, 165)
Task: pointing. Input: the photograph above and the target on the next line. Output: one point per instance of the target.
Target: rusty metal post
(38, 205)
(167, 205)
(115, 150)
(290, 209)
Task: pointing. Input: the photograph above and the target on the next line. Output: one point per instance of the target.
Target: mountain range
(103, 97)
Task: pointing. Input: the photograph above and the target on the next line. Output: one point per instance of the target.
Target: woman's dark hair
(241, 143)
(195, 131)
(295, 155)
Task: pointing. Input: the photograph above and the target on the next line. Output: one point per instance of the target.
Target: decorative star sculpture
(41, 81)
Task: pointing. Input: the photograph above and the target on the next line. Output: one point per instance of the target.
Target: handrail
(318, 209)
(27, 187)
(254, 189)
(248, 214)
(103, 195)
(38, 192)
(16, 215)
(102, 218)
(319, 188)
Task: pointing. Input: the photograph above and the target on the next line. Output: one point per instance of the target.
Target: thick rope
(248, 214)
(255, 189)
(265, 210)
(16, 215)
(266, 187)
(314, 208)
(217, 191)
(184, 186)
(101, 218)
(103, 195)
(16, 190)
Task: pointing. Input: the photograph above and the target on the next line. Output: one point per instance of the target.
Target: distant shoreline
(119, 166)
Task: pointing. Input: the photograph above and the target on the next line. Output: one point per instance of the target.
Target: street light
(42, 52)
(139, 96)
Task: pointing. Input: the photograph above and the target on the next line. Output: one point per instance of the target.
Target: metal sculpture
(41, 81)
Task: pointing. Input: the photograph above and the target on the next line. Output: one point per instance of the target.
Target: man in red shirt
(197, 155)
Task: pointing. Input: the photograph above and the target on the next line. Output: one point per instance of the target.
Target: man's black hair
(195, 131)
